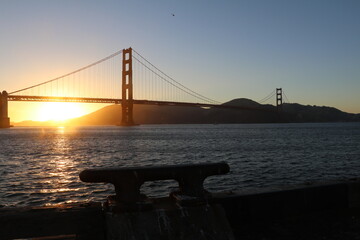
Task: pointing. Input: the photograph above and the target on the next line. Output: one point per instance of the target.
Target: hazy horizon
(73, 121)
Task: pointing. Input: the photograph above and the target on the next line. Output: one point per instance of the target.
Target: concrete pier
(4, 119)
(316, 211)
(329, 210)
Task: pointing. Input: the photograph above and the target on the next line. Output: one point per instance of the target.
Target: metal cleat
(128, 180)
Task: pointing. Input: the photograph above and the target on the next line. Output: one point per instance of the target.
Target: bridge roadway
(118, 101)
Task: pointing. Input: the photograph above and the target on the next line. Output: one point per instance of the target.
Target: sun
(59, 111)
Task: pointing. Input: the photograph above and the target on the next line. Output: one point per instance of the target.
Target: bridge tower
(127, 89)
(4, 119)
(279, 100)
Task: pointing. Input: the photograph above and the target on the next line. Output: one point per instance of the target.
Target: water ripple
(40, 166)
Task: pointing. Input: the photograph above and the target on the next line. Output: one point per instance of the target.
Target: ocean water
(40, 166)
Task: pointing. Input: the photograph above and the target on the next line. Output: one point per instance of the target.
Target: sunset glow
(309, 49)
(58, 111)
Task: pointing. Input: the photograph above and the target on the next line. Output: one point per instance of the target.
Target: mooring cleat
(128, 180)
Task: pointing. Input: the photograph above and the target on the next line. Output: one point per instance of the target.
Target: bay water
(41, 165)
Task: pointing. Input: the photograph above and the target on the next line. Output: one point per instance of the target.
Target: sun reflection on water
(60, 167)
(61, 129)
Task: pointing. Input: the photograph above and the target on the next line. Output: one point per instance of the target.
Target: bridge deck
(118, 101)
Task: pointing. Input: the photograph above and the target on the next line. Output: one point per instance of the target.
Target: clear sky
(221, 49)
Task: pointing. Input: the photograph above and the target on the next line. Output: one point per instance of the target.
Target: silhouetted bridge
(99, 83)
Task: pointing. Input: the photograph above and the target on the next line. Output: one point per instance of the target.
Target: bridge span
(166, 90)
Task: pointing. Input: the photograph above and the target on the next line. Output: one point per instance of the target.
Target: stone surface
(179, 223)
(86, 221)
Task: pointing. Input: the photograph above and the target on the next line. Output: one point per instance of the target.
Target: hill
(149, 114)
(143, 114)
(300, 113)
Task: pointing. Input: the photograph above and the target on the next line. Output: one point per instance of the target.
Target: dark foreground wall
(319, 211)
(316, 211)
(85, 220)
(282, 203)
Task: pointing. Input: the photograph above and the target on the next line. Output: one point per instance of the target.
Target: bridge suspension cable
(287, 99)
(271, 97)
(83, 82)
(268, 97)
(169, 89)
(71, 73)
(102, 79)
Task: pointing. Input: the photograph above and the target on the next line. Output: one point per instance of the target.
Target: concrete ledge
(321, 208)
(86, 221)
(280, 203)
(185, 223)
(311, 211)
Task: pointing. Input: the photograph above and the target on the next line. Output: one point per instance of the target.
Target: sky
(221, 49)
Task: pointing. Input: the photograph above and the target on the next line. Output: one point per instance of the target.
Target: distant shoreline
(163, 124)
(146, 114)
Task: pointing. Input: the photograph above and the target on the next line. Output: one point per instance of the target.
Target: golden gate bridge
(141, 82)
